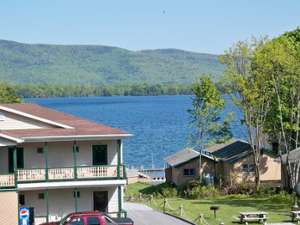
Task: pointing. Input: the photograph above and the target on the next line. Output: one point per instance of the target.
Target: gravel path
(144, 215)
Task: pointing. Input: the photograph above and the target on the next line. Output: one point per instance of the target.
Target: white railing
(83, 172)
(31, 175)
(96, 172)
(61, 174)
(7, 180)
(40, 220)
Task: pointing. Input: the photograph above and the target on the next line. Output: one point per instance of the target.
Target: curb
(179, 218)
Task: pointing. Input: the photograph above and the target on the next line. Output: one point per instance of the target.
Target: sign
(24, 216)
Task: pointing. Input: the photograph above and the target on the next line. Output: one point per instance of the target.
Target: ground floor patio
(54, 204)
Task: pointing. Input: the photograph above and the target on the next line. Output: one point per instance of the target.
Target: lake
(160, 124)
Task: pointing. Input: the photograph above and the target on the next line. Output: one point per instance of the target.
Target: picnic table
(246, 217)
(295, 216)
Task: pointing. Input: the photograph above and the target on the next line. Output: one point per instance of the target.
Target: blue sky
(209, 26)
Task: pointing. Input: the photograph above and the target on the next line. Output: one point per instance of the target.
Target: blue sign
(24, 216)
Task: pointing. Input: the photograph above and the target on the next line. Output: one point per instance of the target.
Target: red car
(91, 218)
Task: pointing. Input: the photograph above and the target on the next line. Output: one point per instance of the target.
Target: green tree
(8, 94)
(250, 93)
(278, 62)
(206, 122)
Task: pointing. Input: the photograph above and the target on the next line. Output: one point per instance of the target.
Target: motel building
(56, 164)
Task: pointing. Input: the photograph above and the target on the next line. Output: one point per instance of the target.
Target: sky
(210, 26)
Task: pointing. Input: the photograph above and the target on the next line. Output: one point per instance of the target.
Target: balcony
(62, 174)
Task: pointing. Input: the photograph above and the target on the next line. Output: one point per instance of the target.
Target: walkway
(144, 215)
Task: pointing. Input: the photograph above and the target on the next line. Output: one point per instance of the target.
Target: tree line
(32, 90)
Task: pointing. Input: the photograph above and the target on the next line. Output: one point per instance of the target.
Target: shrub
(265, 191)
(242, 188)
(199, 192)
(162, 190)
(282, 197)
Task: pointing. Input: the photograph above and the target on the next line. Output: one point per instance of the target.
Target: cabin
(223, 164)
(56, 164)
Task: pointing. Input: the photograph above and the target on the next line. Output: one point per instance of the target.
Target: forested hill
(93, 65)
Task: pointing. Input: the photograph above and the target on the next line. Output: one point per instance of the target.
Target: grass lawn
(230, 206)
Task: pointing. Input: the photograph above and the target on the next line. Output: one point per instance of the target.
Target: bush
(202, 192)
(242, 188)
(282, 197)
(265, 191)
(162, 190)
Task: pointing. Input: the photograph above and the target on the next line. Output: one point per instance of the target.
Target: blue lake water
(160, 124)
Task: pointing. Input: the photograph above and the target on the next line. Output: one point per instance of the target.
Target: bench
(295, 215)
(246, 217)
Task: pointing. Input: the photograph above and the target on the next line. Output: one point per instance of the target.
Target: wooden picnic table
(246, 217)
(295, 216)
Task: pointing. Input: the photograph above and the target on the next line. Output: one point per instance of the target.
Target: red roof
(79, 126)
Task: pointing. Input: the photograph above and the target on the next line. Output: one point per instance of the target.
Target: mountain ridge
(22, 63)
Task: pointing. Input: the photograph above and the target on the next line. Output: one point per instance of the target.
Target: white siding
(14, 122)
(61, 201)
(60, 154)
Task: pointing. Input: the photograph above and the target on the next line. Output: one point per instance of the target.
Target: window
(77, 221)
(40, 150)
(93, 221)
(99, 155)
(20, 159)
(189, 172)
(41, 196)
(248, 168)
(76, 194)
(22, 199)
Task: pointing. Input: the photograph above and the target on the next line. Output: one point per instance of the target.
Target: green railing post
(120, 201)
(46, 160)
(119, 159)
(75, 159)
(75, 192)
(47, 205)
(15, 165)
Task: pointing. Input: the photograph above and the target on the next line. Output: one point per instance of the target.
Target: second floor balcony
(59, 162)
(62, 174)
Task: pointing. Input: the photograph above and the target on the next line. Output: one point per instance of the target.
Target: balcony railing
(65, 174)
(7, 180)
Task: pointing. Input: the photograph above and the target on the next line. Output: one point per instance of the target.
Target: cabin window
(189, 172)
(41, 196)
(248, 168)
(40, 150)
(22, 199)
(76, 194)
(99, 155)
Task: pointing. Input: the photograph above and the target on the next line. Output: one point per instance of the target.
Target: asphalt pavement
(144, 215)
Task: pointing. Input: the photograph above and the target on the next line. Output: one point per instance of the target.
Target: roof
(181, 156)
(231, 151)
(185, 155)
(64, 125)
(294, 155)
